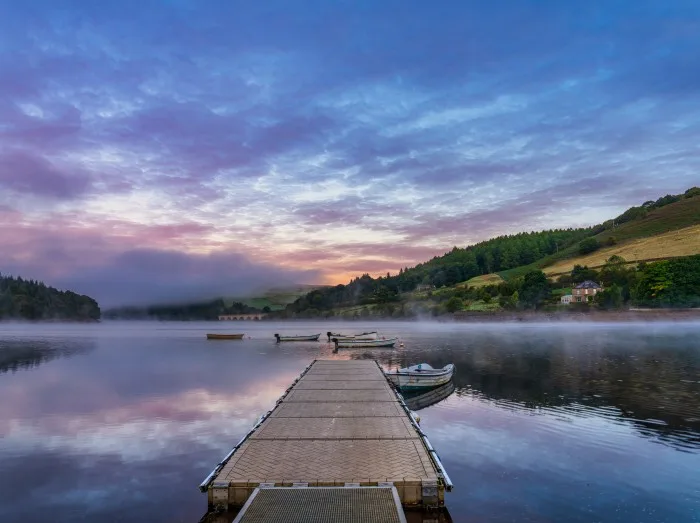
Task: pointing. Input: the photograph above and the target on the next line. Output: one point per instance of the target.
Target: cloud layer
(188, 144)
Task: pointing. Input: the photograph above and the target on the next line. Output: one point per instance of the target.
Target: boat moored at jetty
(421, 376)
(303, 337)
(219, 336)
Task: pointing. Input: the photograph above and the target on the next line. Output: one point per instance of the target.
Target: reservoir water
(121, 421)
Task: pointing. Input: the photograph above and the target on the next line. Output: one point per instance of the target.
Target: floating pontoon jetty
(339, 426)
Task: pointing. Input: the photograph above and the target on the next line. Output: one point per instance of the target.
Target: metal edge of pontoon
(424, 437)
(207, 481)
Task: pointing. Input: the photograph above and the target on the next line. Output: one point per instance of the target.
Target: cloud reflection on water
(545, 423)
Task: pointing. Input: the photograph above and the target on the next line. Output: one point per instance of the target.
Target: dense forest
(503, 253)
(209, 310)
(33, 300)
(669, 283)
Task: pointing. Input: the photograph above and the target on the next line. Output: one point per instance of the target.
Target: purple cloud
(26, 174)
(282, 128)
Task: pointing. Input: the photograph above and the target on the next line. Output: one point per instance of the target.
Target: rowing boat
(224, 336)
(421, 376)
(344, 337)
(308, 337)
(358, 344)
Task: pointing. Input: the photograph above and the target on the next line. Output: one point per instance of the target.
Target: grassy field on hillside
(683, 242)
(683, 214)
(481, 306)
(481, 281)
(671, 217)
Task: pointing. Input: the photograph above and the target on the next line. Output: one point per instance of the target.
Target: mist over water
(546, 422)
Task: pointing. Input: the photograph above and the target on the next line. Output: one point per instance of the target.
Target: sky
(168, 150)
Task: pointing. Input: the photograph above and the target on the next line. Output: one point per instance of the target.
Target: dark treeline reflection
(652, 382)
(17, 355)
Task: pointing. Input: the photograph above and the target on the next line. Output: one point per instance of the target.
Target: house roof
(588, 284)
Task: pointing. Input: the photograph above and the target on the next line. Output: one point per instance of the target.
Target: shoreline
(593, 315)
(621, 316)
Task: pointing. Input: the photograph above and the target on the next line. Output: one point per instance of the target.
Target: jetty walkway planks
(340, 424)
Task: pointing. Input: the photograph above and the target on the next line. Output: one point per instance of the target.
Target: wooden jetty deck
(340, 424)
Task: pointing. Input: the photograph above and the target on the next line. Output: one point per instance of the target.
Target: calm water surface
(563, 422)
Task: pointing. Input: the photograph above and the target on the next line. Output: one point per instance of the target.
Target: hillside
(481, 281)
(673, 244)
(33, 300)
(650, 227)
(277, 298)
(679, 214)
(489, 275)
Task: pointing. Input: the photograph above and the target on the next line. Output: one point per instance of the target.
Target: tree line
(460, 264)
(671, 283)
(33, 300)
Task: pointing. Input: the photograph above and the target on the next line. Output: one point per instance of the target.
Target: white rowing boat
(344, 337)
(421, 376)
(359, 344)
(309, 337)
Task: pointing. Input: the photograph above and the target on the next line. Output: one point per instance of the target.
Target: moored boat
(306, 337)
(355, 343)
(421, 376)
(215, 336)
(343, 337)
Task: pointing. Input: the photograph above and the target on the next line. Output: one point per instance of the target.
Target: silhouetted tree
(535, 289)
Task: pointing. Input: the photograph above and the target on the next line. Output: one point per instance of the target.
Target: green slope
(674, 216)
(656, 221)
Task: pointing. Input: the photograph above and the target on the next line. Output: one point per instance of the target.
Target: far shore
(592, 315)
(626, 315)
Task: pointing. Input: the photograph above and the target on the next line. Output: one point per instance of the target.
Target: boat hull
(361, 344)
(312, 337)
(224, 336)
(421, 380)
(351, 337)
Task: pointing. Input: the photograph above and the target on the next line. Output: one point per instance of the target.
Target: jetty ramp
(340, 436)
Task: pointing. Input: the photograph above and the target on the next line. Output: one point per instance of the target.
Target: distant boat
(421, 376)
(342, 337)
(310, 337)
(422, 398)
(356, 344)
(224, 336)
